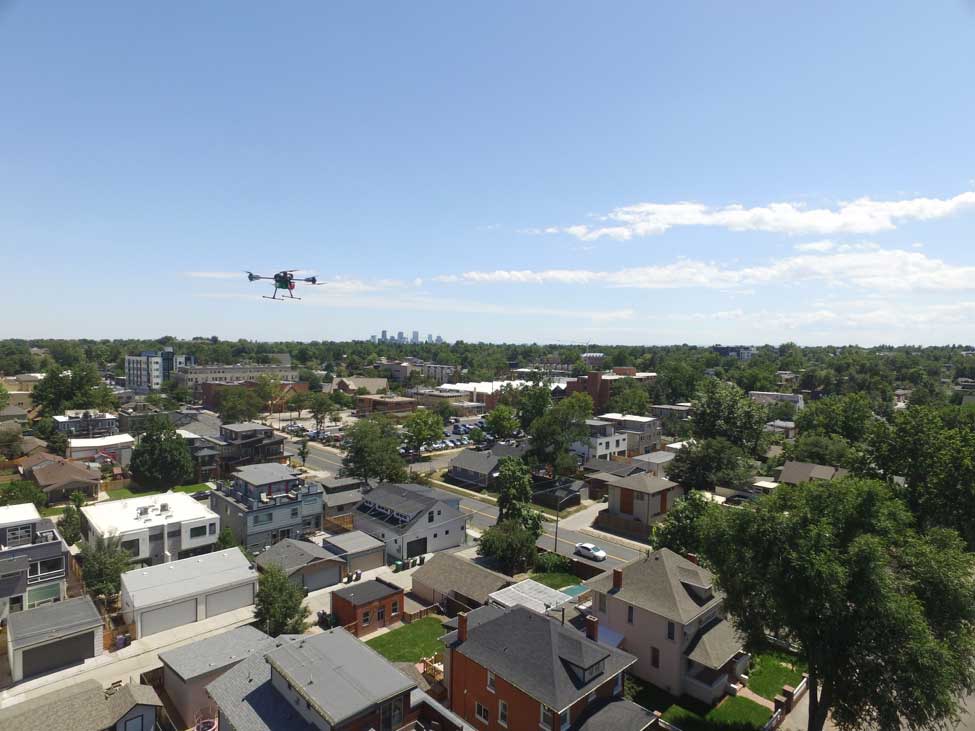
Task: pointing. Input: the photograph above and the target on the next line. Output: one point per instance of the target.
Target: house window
(212, 529)
(294, 512)
(591, 698)
(133, 724)
(365, 619)
(503, 713)
(18, 536)
(545, 718)
(394, 608)
(131, 546)
(629, 614)
(434, 535)
(263, 518)
(602, 603)
(430, 517)
(618, 685)
(482, 713)
(670, 630)
(655, 657)
(198, 531)
(564, 720)
(46, 566)
(490, 681)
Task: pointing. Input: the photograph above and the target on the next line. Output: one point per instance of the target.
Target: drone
(285, 280)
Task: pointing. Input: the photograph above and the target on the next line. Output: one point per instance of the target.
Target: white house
(117, 447)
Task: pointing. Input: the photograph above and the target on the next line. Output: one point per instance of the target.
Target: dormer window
(587, 675)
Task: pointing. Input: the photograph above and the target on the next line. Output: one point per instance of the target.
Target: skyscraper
(429, 337)
(416, 337)
(385, 337)
(400, 337)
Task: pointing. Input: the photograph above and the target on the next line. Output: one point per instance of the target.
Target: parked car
(590, 551)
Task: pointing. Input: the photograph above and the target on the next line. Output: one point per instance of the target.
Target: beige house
(663, 609)
(642, 497)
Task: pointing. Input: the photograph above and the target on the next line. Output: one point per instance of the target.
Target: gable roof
(614, 715)
(250, 703)
(661, 583)
(794, 473)
(448, 572)
(620, 469)
(534, 653)
(380, 506)
(52, 621)
(291, 555)
(644, 483)
(81, 707)
(714, 644)
(217, 652)
(472, 460)
(50, 475)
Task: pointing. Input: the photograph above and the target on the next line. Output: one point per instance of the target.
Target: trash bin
(397, 567)
(423, 558)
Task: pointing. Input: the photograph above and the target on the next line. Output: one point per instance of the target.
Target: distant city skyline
(400, 337)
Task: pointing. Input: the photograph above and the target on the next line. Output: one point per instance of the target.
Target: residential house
(59, 477)
(13, 414)
(133, 416)
(158, 598)
(53, 637)
(655, 462)
(795, 473)
(352, 384)
(31, 446)
(456, 583)
(603, 442)
(636, 502)
(517, 669)
(784, 427)
(33, 560)
(85, 423)
(115, 449)
(411, 520)
(386, 403)
(155, 529)
(86, 706)
(599, 471)
(561, 493)
(360, 551)
(772, 397)
(307, 564)
(342, 495)
(266, 503)
(479, 468)
(677, 412)
(642, 432)
(249, 443)
(664, 609)
(366, 606)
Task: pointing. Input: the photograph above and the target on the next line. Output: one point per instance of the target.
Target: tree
(704, 464)
(515, 492)
(279, 605)
(103, 562)
(303, 451)
(445, 411)
(724, 410)
(883, 615)
(226, 538)
(162, 459)
(22, 491)
(237, 404)
(81, 388)
(298, 402)
(557, 430)
(373, 451)
(477, 436)
(830, 449)
(70, 524)
(847, 416)
(510, 544)
(782, 411)
(682, 529)
(421, 427)
(533, 402)
(502, 421)
(321, 407)
(4, 397)
(57, 443)
(11, 444)
(628, 396)
(267, 390)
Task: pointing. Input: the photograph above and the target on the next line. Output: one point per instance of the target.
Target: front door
(381, 616)
(626, 501)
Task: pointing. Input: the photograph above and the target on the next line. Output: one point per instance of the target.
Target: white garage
(174, 594)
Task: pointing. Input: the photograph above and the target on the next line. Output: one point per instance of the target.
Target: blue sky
(555, 172)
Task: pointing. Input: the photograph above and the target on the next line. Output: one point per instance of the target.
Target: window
(131, 546)
(564, 720)
(133, 724)
(365, 619)
(482, 713)
(212, 529)
(670, 630)
(655, 657)
(263, 518)
(294, 512)
(490, 681)
(430, 517)
(394, 608)
(629, 614)
(173, 533)
(503, 713)
(434, 535)
(381, 614)
(18, 536)
(618, 685)
(198, 531)
(545, 718)
(47, 566)
(602, 603)
(447, 532)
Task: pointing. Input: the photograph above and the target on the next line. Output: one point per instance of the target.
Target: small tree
(445, 411)
(22, 491)
(303, 451)
(279, 605)
(102, 564)
(514, 488)
(502, 422)
(298, 402)
(57, 443)
(70, 524)
(4, 397)
(681, 531)
(510, 544)
(477, 436)
(373, 451)
(11, 445)
(420, 427)
(162, 458)
(226, 538)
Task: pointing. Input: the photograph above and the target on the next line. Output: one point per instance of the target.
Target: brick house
(364, 608)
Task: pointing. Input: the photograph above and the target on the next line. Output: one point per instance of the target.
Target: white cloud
(863, 215)
(865, 266)
(821, 246)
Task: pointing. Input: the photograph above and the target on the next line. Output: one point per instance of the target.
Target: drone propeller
(310, 280)
(252, 277)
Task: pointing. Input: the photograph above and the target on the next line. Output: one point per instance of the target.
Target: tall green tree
(724, 410)
(70, 524)
(226, 538)
(373, 451)
(103, 561)
(57, 443)
(848, 416)
(883, 615)
(514, 485)
(162, 459)
(628, 396)
(682, 529)
(502, 421)
(533, 402)
(279, 605)
(321, 407)
(445, 411)
(268, 389)
(237, 405)
(557, 430)
(830, 449)
(22, 491)
(708, 463)
(421, 427)
(511, 544)
(4, 397)
(298, 402)
(11, 444)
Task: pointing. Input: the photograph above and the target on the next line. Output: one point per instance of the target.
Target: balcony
(705, 684)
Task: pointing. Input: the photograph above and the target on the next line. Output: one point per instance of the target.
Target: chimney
(692, 557)
(592, 628)
(462, 627)
(617, 579)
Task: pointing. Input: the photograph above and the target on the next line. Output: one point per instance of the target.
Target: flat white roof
(23, 513)
(766, 484)
(493, 386)
(167, 582)
(112, 441)
(531, 594)
(627, 417)
(123, 516)
(187, 434)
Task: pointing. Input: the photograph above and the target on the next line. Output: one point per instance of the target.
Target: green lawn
(411, 642)
(120, 493)
(770, 670)
(733, 714)
(556, 579)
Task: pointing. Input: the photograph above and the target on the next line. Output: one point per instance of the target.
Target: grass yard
(733, 714)
(121, 493)
(411, 642)
(770, 670)
(555, 579)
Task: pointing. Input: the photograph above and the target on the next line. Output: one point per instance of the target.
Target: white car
(590, 551)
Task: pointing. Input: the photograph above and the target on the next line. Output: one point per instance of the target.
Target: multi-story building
(416, 337)
(603, 442)
(155, 529)
(518, 669)
(383, 404)
(33, 560)
(249, 443)
(194, 376)
(265, 503)
(85, 423)
(151, 368)
(400, 371)
(132, 417)
(642, 432)
(743, 353)
(669, 615)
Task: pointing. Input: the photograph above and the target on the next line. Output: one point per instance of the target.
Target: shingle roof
(533, 652)
(263, 474)
(408, 500)
(482, 463)
(51, 475)
(794, 473)
(714, 644)
(291, 555)
(217, 652)
(660, 583)
(81, 707)
(621, 469)
(448, 572)
(643, 482)
(614, 715)
(353, 542)
(250, 703)
(52, 621)
(367, 592)
(346, 497)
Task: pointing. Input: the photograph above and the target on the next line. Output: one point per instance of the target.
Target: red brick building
(211, 393)
(365, 607)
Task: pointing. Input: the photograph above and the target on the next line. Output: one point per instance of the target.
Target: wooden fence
(337, 523)
(408, 617)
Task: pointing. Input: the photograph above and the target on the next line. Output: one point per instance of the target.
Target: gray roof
(447, 572)
(531, 594)
(338, 675)
(352, 543)
(482, 463)
(662, 583)
(656, 457)
(643, 482)
(402, 498)
(167, 582)
(52, 621)
(794, 473)
(714, 644)
(335, 484)
(346, 497)
(367, 592)
(475, 618)
(250, 703)
(217, 652)
(621, 469)
(264, 474)
(533, 652)
(244, 426)
(408, 500)
(291, 555)
(85, 706)
(614, 715)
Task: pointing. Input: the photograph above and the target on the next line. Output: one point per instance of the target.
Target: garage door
(415, 548)
(175, 615)
(369, 560)
(325, 576)
(230, 599)
(58, 654)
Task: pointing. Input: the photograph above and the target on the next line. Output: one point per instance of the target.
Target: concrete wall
(190, 697)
